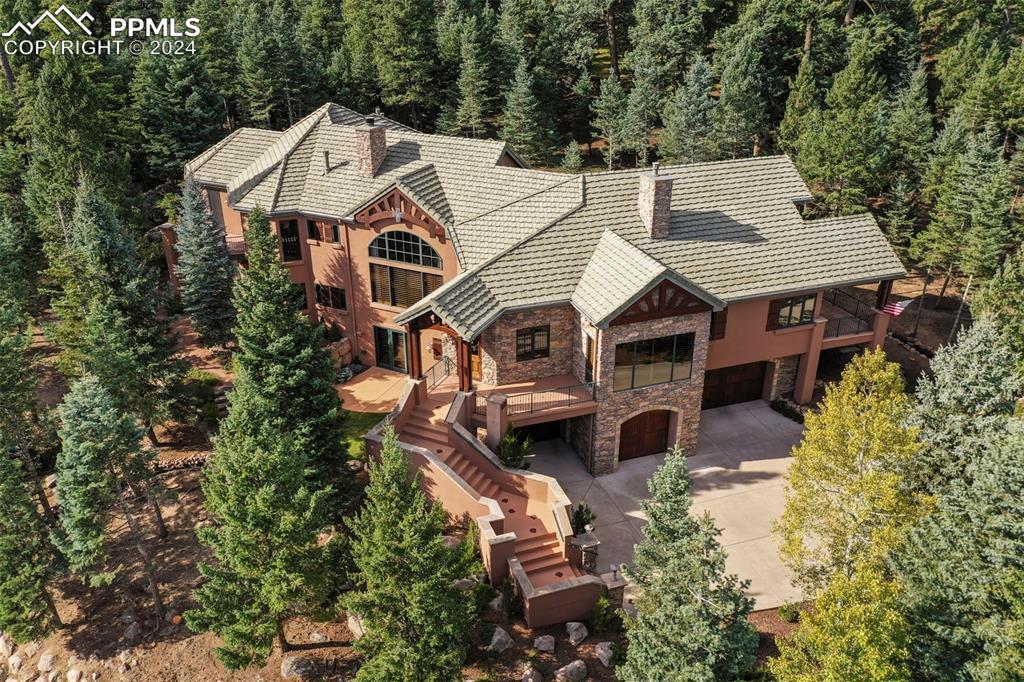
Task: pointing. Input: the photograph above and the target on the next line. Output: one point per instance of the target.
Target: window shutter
(774, 308)
(718, 321)
(380, 284)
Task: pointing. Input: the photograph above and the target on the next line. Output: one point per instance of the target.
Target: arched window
(404, 247)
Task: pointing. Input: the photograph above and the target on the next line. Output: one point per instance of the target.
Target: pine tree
(847, 497)
(270, 565)
(854, 631)
(281, 356)
(257, 69)
(572, 160)
(945, 151)
(26, 557)
(403, 55)
(989, 237)
(898, 220)
(740, 114)
(801, 101)
(983, 97)
(417, 622)
(972, 391)
(610, 119)
(691, 617)
(15, 274)
(204, 268)
(523, 125)
(474, 98)
(360, 19)
(664, 35)
(100, 458)
(841, 148)
(216, 44)
(958, 66)
(180, 112)
(688, 119)
(1002, 300)
(909, 132)
(641, 112)
(582, 97)
(955, 567)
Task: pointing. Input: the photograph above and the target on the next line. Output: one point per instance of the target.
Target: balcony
(847, 316)
(542, 400)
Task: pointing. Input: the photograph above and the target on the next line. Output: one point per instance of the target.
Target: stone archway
(652, 427)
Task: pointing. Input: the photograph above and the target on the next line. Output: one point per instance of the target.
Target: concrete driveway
(742, 456)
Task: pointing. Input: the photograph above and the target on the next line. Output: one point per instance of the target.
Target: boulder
(605, 653)
(297, 667)
(53, 676)
(577, 632)
(30, 650)
(500, 641)
(545, 643)
(46, 662)
(496, 607)
(317, 637)
(74, 675)
(450, 541)
(14, 663)
(133, 632)
(355, 626)
(574, 672)
(464, 584)
(532, 675)
(6, 646)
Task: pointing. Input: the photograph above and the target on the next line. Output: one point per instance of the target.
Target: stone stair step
(539, 552)
(535, 541)
(541, 563)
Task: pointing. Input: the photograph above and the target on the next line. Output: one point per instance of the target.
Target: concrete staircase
(537, 546)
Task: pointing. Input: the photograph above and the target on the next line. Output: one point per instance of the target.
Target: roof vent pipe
(327, 162)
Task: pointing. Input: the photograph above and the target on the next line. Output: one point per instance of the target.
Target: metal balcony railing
(525, 403)
(862, 319)
(437, 373)
(843, 326)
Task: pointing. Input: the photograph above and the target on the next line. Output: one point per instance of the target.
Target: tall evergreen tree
(909, 131)
(474, 89)
(1002, 300)
(641, 112)
(610, 119)
(270, 565)
(523, 125)
(691, 617)
(664, 35)
(572, 160)
(204, 268)
(403, 56)
(417, 622)
(740, 114)
(27, 611)
(217, 46)
(688, 119)
(847, 497)
(360, 20)
(956, 566)
(281, 357)
(100, 458)
(15, 272)
(945, 151)
(898, 219)
(801, 101)
(972, 391)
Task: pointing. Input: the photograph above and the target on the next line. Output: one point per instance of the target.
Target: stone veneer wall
(683, 397)
(498, 345)
(581, 435)
(783, 377)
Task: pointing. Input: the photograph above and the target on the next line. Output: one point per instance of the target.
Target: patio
(738, 471)
(373, 390)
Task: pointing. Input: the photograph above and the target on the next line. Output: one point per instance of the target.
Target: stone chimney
(655, 201)
(371, 147)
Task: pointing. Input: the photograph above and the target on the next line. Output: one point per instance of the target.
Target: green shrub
(582, 516)
(604, 618)
(789, 613)
(514, 449)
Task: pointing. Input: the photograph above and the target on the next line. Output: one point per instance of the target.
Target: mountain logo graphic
(52, 16)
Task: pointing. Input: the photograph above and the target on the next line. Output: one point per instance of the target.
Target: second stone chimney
(371, 147)
(655, 201)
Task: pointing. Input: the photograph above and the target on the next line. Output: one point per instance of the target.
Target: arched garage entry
(648, 433)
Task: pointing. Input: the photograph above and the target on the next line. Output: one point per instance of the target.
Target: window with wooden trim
(653, 361)
(400, 287)
(335, 233)
(312, 230)
(404, 247)
(330, 297)
(288, 230)
(791, 312)
(718, 321)
(533, 343)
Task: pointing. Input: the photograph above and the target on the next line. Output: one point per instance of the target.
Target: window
(532, 343)
(718, 319)
(290, 248)
(312, 230)
(791, 312)
(299, 292)
(335, 236)
(330, 297)
(404, 247)
(653, 361)
(399, 287)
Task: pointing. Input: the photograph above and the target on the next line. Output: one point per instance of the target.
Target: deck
(541, 400)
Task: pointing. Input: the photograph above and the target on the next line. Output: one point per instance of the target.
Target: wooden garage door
(736, 384)
(644, 434)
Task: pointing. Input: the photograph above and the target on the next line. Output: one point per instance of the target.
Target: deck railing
(861, 322)
(437, 373)
(480, 404)
(525, 403)
(843, 326)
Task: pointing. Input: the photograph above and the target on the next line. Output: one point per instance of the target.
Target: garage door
(644, 434)
(736, 384)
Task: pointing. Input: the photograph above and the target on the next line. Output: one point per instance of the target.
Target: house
(608, 309)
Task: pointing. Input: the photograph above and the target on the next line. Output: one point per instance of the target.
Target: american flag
(895, 308)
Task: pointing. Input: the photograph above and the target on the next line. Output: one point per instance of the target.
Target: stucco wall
(747, 341)
(498, 345)
(682, 397)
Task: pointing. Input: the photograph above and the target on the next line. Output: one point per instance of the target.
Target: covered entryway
(731, 385)
(644, 434)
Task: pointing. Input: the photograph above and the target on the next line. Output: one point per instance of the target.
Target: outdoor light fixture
(398, 215)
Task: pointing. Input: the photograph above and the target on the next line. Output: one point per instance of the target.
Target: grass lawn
(357, 424)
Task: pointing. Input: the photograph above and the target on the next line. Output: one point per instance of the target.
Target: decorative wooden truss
(664, 300)
(396, 207)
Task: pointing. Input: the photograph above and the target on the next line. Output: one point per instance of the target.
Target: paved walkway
(373, 390)
(742, 456)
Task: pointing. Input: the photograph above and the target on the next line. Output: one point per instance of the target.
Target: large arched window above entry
(404, 247)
